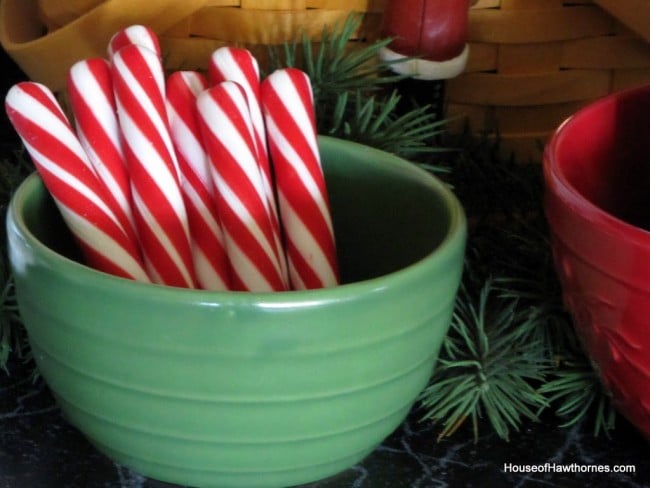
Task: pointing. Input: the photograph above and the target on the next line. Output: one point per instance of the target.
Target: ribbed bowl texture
(597, 173)
(250, 389)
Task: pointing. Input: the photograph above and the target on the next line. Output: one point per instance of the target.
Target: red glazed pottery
(597, 175)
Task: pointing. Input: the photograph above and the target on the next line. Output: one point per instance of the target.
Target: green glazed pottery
(250, 389)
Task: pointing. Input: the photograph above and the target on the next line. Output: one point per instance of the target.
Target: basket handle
(46, 58)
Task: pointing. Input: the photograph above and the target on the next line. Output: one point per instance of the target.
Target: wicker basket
(633, 13)
(532, 62)
(535, 62)
(46, 36)
(256, 24)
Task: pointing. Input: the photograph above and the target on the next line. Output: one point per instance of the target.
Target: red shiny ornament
(598, 207)
(433, 30)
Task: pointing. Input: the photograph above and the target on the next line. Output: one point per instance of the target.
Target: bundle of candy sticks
(192, 181)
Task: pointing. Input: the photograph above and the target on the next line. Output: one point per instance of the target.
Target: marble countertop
(39, 449)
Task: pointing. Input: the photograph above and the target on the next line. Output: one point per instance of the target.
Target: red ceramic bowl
(597, 174)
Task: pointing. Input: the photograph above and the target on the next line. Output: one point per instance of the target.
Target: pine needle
(373, 121)
(12, 334)
(510, 239)
(333, 65)
(12, 338)
(487, 366)
(351, 95)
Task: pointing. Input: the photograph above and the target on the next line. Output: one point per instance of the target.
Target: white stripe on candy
(239, 65)
(210, 258)
(241, 200)
(139, 35)
(159, 210)
(72, 181)
(287, 102)
(90, 90)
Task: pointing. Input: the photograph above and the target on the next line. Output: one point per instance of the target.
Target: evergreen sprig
(12, 338)
(509, 238)
(377, 123)
(12, 333)
(487, 367)
(577, 392)
(352, 96)
(333, 65)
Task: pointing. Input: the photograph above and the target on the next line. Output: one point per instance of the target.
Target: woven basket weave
(532, 62)
(535, 62)
(256, 24)
(46, 36)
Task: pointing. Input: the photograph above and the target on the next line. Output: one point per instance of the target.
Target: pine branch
(374, 121)
(334, 66)
(576, 391)
(509, 238)
(351, 97)
(12, 334)
(12, 338)
(487, 366)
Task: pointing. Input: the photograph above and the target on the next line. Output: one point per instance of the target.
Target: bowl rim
(556, 180)
(452, 242)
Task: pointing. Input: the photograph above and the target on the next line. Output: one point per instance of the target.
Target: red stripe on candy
(242, 203)
(288, 108)
(160, 213)
(73, 183)
(210, 258)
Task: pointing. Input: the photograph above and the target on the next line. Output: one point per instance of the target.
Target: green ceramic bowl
(250, 389)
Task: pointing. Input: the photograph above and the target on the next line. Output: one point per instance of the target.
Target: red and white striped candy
(287, 102)
(159, 210)
(72, 181)
(90, 90)
(242, 203)
(239, 65)
(210, 258)
(139, 35)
